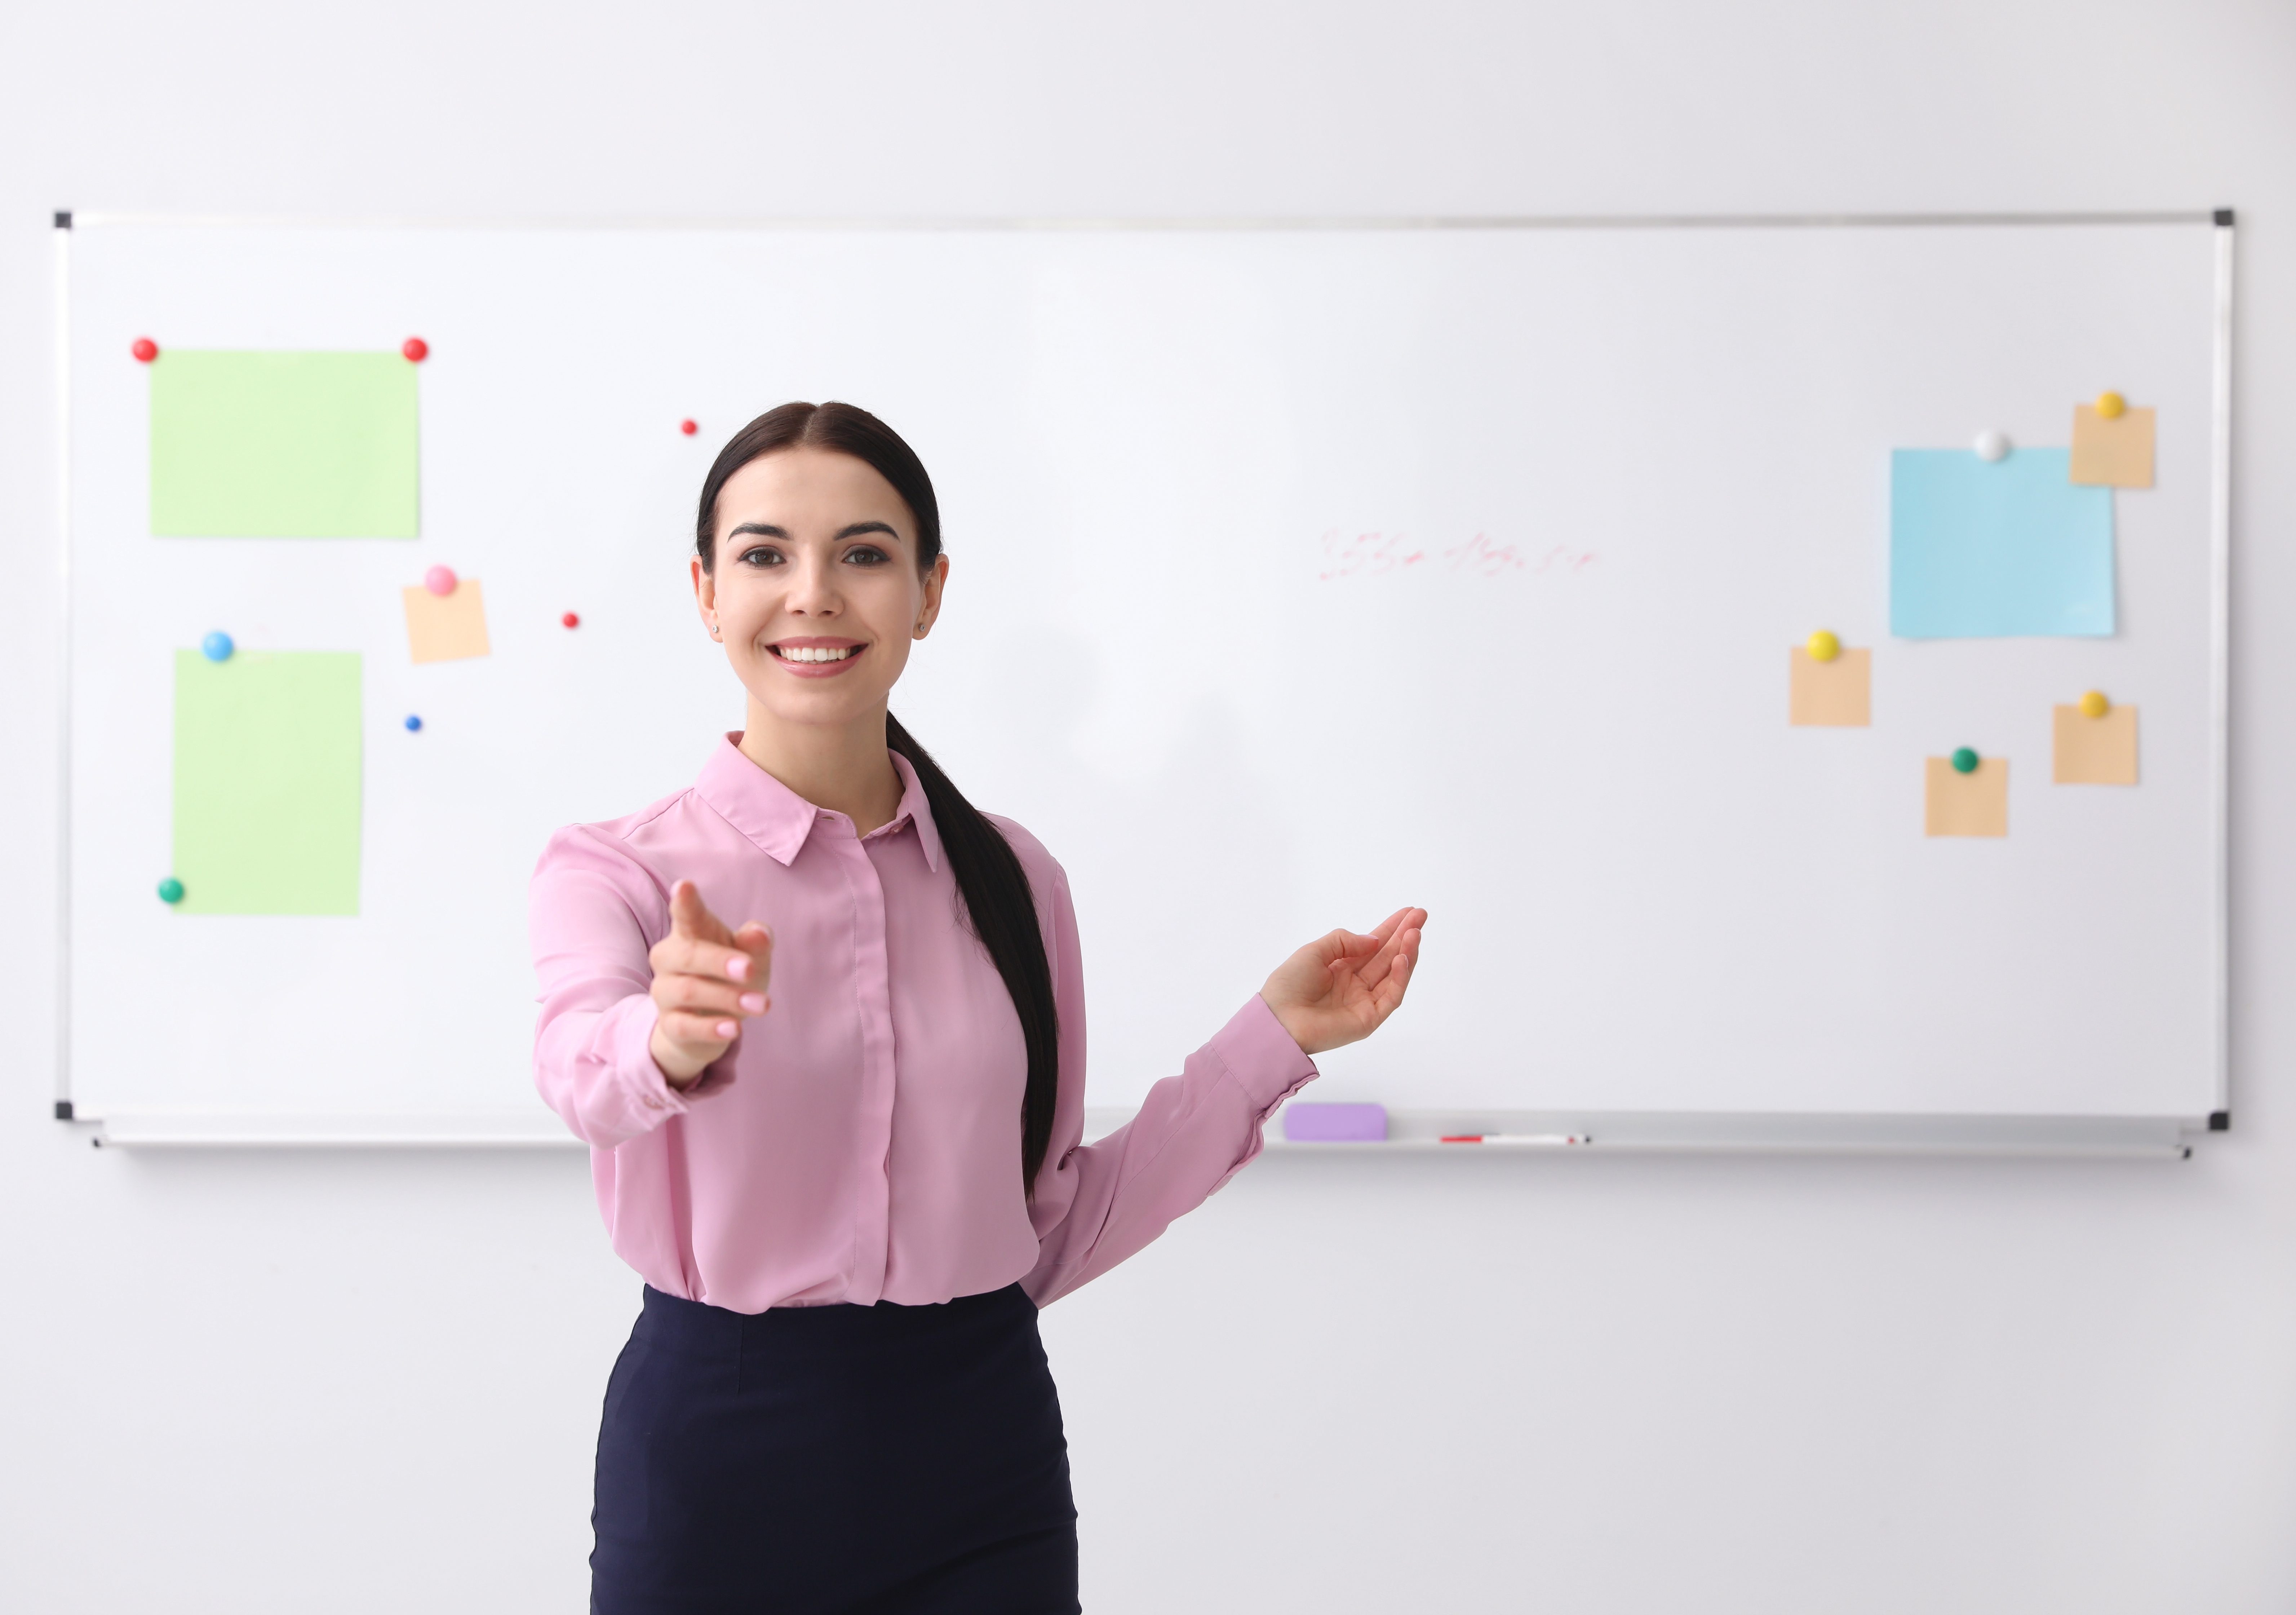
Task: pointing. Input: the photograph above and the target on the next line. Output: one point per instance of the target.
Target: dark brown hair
(999, 906)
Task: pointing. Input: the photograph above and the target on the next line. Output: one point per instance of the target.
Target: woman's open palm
(1339, 988)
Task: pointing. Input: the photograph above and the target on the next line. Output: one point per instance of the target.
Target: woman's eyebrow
(765, 530)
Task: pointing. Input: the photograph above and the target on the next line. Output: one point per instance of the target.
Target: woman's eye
(761, 556)
(864, 555)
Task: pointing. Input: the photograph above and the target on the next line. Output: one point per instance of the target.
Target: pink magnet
(440, 580)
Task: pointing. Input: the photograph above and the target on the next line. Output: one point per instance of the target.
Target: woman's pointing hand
(1339, 988)
(707, 981)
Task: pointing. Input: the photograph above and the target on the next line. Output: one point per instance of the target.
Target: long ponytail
(999, 904)
(1002, 909)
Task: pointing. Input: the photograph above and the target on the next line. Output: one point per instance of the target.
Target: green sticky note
(283, 444)
(267, 782)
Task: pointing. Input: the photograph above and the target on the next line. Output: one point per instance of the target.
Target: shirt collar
(778, 819)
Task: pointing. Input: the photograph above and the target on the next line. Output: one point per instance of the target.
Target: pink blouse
(862, 1140)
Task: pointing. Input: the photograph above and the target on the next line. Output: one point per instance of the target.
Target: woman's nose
(813, 592)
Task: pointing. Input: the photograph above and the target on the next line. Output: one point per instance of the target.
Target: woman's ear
(705, 595)
(935, 576)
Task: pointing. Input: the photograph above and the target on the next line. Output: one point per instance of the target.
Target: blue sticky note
(1987, 549)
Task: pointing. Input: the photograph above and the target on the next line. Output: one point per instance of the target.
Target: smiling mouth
(810, 654)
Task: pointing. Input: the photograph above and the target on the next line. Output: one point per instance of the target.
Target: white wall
(369, 1381)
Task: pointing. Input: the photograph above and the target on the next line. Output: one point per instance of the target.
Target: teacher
(842, 1139)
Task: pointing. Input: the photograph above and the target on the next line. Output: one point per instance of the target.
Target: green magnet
(171, 890)
(1965, 761)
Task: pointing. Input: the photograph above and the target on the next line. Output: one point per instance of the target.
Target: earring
(713, 630)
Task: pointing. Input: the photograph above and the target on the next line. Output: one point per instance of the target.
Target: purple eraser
(1334, 1123)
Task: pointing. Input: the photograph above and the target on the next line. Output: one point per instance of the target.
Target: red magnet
(415, 348)
(144, 348)
(687, 427)
(570, 621)
(440, 580)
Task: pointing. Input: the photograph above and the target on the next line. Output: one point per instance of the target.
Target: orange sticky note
(2112, 454)
(2095, 751)
(1837, 693)
(1976, 803)
(446, 627)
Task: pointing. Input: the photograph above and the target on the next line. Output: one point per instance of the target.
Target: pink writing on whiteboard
(1378, 555)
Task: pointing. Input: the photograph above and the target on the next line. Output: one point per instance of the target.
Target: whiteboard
(1298, 574)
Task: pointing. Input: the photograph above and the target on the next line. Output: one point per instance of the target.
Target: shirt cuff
(650, 1093)
(1261, 1057)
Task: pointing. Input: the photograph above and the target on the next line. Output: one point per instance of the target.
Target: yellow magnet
(2094, 705)
(2111, 406)
(1823, 646)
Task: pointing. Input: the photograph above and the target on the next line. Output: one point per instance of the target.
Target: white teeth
(817, 652)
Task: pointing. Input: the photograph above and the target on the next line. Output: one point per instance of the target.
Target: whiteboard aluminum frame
(61, 256)
(2221, 667)
(1958, 1134)
(1409, 1132)
(1178, 224)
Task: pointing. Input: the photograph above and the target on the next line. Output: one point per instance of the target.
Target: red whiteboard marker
(1518, 1138)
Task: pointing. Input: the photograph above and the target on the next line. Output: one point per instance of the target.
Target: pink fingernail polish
(738, 967)
(728, 1030)
(753, 1004)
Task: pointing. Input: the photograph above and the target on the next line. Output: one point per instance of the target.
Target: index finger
(1401, 917)
(689, 917)
(1398, 934)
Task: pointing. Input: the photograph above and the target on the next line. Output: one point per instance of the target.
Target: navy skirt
(856, 1460)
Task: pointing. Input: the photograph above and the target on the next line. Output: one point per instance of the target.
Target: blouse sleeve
(1097, 1203)
(593, 916)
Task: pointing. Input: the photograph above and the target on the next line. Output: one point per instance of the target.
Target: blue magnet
(216, 646)
(413, 724)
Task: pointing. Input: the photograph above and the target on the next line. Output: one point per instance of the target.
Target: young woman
(842, 1139)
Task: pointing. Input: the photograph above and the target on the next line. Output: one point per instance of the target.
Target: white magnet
(1992, 445)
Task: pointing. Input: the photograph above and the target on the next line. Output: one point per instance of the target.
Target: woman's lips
(814, 669)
